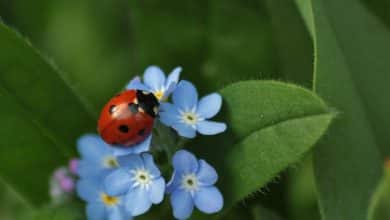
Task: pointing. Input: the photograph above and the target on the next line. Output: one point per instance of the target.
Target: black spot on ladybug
(147, 102)
(133, 107)
(123, 128)
(141, 132)
(112, 109)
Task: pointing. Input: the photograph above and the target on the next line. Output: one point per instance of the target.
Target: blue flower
(98, 157)
(101, 206)
(186, 115)
(134, 149)
(192, 184)
(139, 180)
(156, 82)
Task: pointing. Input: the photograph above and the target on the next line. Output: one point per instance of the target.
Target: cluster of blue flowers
(120, 183)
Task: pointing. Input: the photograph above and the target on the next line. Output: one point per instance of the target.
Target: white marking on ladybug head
(155, 110)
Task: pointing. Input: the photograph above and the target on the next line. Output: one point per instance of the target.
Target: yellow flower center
(109, 200)
(159, 95)
(142, 178)
(110, 162)
(189, 118)
(189, 182)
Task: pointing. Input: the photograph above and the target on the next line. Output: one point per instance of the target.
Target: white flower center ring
(189, 118)
(142, 178)
(110, 162)
(190, 182)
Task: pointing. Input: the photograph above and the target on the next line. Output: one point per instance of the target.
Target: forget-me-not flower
(134, 149)
(192, 184)
(139, 179)
(62, 184)
(186, 115)
(98, 157)
(156, 82)
(100, 205)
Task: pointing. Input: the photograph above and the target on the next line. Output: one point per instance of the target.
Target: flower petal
(208, 199)
(150, 165)
(172, 80)
(67, 184)
(143, 146)
(207, 175)
(154, 77)
(209, 105)
(60, 173)
(174, 183)
(89, 169)
(96, 211)
(210, 127)
(184, 162)
(137, 201)
(118, 182)
(136, 149)
(117, 213)
(131, 162)
(168, 114)
(157, 189)
(168, 91)
(89, 189)
(92, 147)
(137, 84)
(184, 130)
(185, 96)
(182, 204)
(72, 165)
(173, 77)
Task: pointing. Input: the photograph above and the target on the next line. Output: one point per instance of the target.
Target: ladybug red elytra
(128, 118)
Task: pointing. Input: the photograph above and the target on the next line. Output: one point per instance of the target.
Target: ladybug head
(148, 102)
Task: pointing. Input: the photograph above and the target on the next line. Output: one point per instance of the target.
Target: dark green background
(338, 49)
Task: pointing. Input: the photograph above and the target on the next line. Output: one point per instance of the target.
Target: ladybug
(128, 118)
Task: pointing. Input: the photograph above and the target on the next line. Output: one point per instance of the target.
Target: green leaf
(261, 213)
(42, 117)
(381, 202)
(352, 74)
(271, 125)
(380, 8)
(302, 196)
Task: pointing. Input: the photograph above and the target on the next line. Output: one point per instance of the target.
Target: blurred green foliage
(351, 75)
(12, 206)
(89, 40)
(338, 47)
